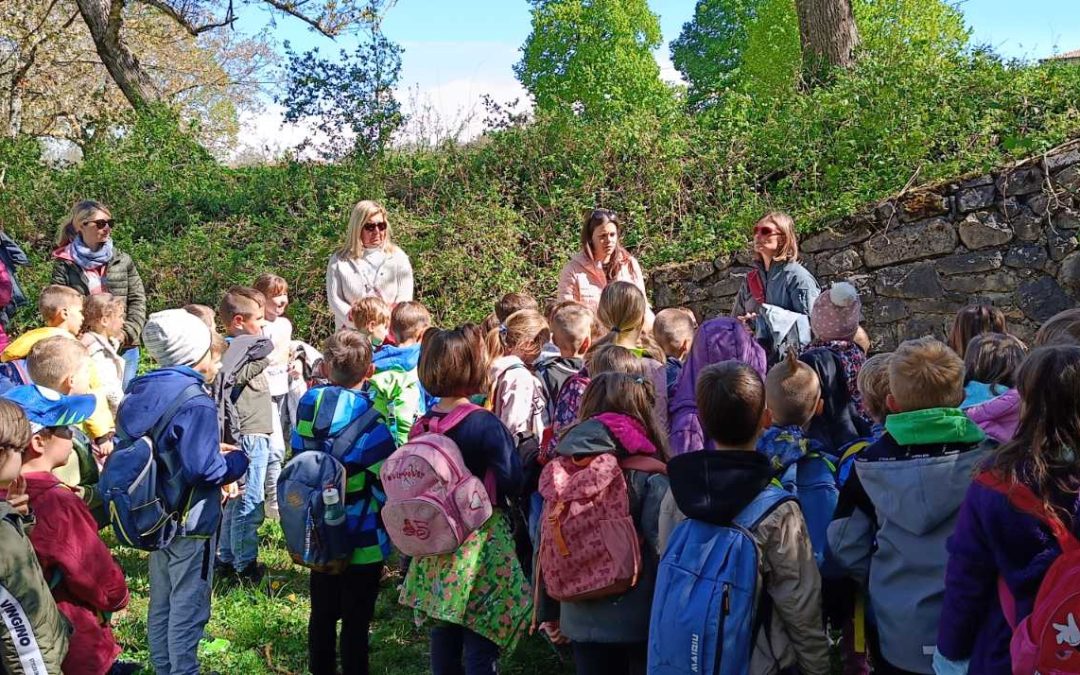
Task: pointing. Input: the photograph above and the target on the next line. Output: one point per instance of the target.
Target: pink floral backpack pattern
(589, 547)
(433, 502)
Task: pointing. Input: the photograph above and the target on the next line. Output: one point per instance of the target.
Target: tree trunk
(104, 19)
(829, 35)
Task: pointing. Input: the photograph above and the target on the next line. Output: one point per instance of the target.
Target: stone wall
(1008, 238)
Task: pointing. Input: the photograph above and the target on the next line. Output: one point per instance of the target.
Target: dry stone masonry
(1008, 238)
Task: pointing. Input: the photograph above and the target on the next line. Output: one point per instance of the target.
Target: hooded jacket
(894, 515)
(121, 278)
(999, 417)
(583, 280)
(90, 583)
(242, 389)
(396, 386)
(787, 284)
(32, 629)
(193, 434)
(715, 487)
(620, 618)
(717, 340)
(840, 422)
(517, 397)
(11, 256)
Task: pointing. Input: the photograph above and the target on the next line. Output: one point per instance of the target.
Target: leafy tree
(592, 57)
(709, 50)
(351, 96)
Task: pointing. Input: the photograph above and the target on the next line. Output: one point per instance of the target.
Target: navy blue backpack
(705, 611)
(143, 490)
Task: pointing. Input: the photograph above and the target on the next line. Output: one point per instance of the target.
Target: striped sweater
(322, 414)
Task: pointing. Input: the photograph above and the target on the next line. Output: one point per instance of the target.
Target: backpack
(313, 539)
(812, 480)
(13, 374)
(566, 408)
(589, 547)
(847, 460)
(143, 490)
(433, 502)
(1048, 640)
(706, 610)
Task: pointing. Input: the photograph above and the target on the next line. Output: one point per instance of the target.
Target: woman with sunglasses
(367, 264)
(87, 260)
(601, 260)
(776, 278)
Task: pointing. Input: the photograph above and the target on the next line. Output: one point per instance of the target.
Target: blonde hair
(571, 325)
(56, 298)
(926, 373)
(97, 309)
(673, 327)
(361, 214)
(789, 250)
(873, 382)
(523, 334)
(792, 391)
(55, 359)
(631, 394)
(80, 211)
(409, 320)
(622, 310)
(369, 309)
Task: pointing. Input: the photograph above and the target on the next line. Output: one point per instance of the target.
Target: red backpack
(1048, 640)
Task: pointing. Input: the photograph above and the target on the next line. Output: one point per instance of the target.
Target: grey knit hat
(175, 337)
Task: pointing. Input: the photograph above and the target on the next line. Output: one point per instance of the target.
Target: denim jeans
(449, 642)
(180, 578)
(278, 443)
(239, 545)
(131, 365)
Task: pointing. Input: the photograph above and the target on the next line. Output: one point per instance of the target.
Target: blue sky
(458, 50)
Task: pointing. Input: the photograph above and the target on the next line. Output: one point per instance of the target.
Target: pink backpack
(1048, 640)
(433, 502)
(589, 547)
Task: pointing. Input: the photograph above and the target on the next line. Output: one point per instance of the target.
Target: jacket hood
(933, 426)
(628, 433)
(503, 364)
(21, 346)
(606, 433)
(999, 417)
(715, 486)
(393, 357)
(152, 393)
(62, 253)
(717, 340)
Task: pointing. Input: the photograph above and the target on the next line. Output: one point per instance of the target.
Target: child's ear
(36, 447)
(370, 372)
(585, 345)
(820, 407)
(766, 419)
(890, 404)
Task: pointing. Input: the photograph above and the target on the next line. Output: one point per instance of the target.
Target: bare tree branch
(185, 22)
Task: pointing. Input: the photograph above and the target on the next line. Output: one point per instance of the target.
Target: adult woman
(602, 259)
(367, 264)
(86, 260)
(776, 279)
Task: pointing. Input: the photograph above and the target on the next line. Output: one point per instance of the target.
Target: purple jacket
(992, 540)
(999, 417)
(717, 340)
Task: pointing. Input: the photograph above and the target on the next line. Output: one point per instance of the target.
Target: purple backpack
(717, 340)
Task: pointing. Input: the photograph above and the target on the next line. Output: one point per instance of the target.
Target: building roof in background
(1067, 56)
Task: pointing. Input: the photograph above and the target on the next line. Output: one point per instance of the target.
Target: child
(371, 316)
(874, 388)
(974, 320)
(279, 330)
(517, 396)
(61, 309)
(1000, 547)
(609, 634)
(180, 574)
(88, 584)
(103, 331)
(324, 413)
(720, 339)
(571, 331)
(206, 314)
(34, 634)
(899, 505)
(243, 395)
(674, 332)
(836, 358)
(398, 395)
(607, 358)
(622, 310)
(1061, 329)
(793, 396)
(514, 302)
(477, 596)
(716, 486)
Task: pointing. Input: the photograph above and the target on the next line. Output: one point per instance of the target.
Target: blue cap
(48, 408)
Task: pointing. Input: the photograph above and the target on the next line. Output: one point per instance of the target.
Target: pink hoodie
(582, 280)
(999, 417)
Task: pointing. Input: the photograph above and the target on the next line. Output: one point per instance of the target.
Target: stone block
(839, 263)
(978, 181)
(1027, 256)
(723, 261)
(921, 325)
(950, 304)
(1069, 274)
(969, 262)
(974, 199)
(999, 281)
(1060, 243)
(923, 205)
(745, 257)
(1021, 181)
(730, 281)
(1026, 225)
(1041, 202)
(831, 240)
(886, 310)
(1062, 159)
(909, 281)
(701, 271)
(1069, 179)
(924, 239)
(1066, 220)
(984, 230)
(1042, 298)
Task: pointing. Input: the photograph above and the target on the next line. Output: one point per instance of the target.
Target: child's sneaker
(252, 574)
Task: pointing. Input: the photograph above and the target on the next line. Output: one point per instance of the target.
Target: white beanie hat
(175, 337)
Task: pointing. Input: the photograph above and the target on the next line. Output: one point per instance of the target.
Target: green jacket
(397, 396)
(121, 279)
(33, 632)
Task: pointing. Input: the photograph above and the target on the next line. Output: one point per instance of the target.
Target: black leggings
(603, 658)
(348, 597)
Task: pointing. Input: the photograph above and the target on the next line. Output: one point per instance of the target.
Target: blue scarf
(88, 259)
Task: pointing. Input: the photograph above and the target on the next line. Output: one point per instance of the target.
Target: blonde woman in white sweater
(367, 264)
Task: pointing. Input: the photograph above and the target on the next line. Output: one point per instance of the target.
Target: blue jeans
(239, 545)
(180, 578)
(450, 641)
(131, 365)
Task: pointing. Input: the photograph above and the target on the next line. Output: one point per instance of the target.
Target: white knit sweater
(387, 275)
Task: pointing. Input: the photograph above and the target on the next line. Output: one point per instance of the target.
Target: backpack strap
(853, 449)
(764, 504)
(353, 431)
(436, 425)
(643, 463)
(1021, 497)
(189, 392)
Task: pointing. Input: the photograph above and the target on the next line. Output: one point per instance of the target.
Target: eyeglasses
(766, 231)
(371, 227)
(101, 223)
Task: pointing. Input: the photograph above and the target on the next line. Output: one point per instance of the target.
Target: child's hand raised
(17, 497)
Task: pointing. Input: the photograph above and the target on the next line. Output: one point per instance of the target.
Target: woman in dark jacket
(87, 261)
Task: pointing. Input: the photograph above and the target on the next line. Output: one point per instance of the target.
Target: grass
(264, 630)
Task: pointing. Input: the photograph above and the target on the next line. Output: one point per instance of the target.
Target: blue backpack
(705, 610)
(13, 374)
(813, 481)
(143, 490)
(312, 538)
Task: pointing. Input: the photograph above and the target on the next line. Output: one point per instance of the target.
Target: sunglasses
(61, 432)
(766, 231)
(371, 227)
(101, 223)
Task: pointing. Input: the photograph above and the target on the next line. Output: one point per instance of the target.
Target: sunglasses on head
(765, 231)
(101, 223)
(371, 227)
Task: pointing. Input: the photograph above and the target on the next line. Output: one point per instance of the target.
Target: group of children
(874, 529)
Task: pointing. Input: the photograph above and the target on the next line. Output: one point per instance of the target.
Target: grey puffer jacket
(787, 284)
